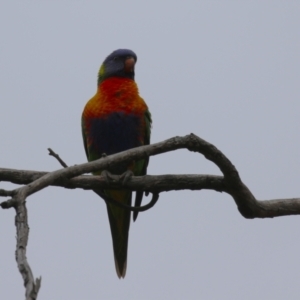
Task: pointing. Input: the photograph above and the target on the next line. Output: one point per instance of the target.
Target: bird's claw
(108, 177)
(126, 176)
(123, 178)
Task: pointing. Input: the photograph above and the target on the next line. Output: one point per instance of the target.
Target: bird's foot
(126, 176)
(108, 177)
(123, 178)
(103, 155)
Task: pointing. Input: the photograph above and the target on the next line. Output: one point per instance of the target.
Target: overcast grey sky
(227, 71)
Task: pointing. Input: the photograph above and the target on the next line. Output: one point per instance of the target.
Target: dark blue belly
(115, 133)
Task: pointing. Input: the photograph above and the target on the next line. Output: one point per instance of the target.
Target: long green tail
(119, 220)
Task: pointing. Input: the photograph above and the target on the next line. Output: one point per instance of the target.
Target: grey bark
(71, 177)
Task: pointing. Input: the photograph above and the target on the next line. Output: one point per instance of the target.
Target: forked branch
(230, 182)
(71, 177)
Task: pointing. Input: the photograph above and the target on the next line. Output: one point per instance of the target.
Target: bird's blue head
(119, 63)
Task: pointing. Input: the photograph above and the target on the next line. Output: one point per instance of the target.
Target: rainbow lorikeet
(114, 120)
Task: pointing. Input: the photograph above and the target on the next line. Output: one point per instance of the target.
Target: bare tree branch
(153, 184)
(6, 193)
(158, 183)
(31, 286)
(21, 222)
(230, 183)
(69, 177)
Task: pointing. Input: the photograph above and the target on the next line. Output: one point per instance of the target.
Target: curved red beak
(129, 65)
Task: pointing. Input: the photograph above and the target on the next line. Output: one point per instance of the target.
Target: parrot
(116, 119)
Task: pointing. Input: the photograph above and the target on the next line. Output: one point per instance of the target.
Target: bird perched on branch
(114, 120)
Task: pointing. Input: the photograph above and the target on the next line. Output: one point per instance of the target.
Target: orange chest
(115, 95)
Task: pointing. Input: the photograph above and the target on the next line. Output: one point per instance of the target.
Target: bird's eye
(115, 58)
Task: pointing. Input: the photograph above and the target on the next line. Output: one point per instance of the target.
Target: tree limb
(157, 183)
(70, 178)
(230, 183)
(31, 286)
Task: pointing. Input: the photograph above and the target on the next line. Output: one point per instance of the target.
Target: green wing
(139, 194)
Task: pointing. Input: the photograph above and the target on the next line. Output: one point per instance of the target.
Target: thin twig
(52, 153)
